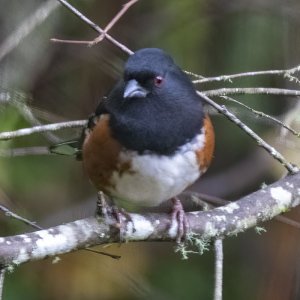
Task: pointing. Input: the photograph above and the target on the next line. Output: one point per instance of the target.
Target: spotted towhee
(149, 139)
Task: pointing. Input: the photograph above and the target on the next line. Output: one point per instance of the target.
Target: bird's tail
(69, 148)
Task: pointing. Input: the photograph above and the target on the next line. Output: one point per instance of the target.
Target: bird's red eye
(158, 80)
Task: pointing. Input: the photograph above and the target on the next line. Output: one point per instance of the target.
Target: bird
(149, 139)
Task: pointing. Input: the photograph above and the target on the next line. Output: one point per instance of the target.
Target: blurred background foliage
(64, 82)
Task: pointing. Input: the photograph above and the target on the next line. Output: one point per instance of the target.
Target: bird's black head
(145, 72)
(155, 106)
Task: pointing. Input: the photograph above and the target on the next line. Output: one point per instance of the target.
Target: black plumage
(166, 118)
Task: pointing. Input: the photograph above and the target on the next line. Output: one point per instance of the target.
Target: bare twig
(95, 26)
(26, 112)
(261, 114)
(291, 116)
(113, 22)
(13, 215)
(79, 42)
(2, 275)
(278, 156)
(219, 92)
(18, 99)
(251, 91)
(288, 221)
(26, 27)
(194, 75)
(218, 269)
(29, 116)
(43, 128)
(286, 73)
(103, 253)
(24, 151)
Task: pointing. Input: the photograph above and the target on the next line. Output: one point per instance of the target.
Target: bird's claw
(178, 216)
(112, 215)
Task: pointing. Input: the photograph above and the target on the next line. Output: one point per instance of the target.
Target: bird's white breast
(154, 178)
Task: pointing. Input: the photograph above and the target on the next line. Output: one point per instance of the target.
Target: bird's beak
(134, 90)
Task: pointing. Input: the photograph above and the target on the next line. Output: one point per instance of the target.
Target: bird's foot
(103, 209)
(178, 216)
(113, 215)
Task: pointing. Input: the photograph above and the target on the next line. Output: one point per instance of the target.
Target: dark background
(64, 82)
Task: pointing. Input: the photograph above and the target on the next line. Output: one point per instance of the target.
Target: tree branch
(94, 26)
(286, 73)
(271, 150)
(218, 269)
(13, 215)
(251, 91)
(42, 128)
(115, 19)
(26, 27)
(17, 100)
(227, 220)
(25, 151)
(2, 275)
(263, 115)
(209, 93)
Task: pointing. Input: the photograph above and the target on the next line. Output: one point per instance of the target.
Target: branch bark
(42, 128)
(227, 220)
(95, 26)
(251, 91)
(285, 72)
(115, 19)
(219, 258)
(26, 27)
(2, 275)
(293, 169)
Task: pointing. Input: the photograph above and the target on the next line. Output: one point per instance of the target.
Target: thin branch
(263, 115)
(13, 215)
(286, 73)
(218, 269)
(113, 22)
(2, 275)
(290, 117)
(95, 26)
(29, 116)
(26, 112)
(113, 256)
(79, 42)
(218, 92)
(18, 99)
(251, 91)
(229, 115)
(194, 75)
(43, 128)
(26, 27)
(24, 151)
(288, 221)
(220, 222)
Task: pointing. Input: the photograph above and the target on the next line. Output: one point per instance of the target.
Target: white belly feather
(155, 178)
